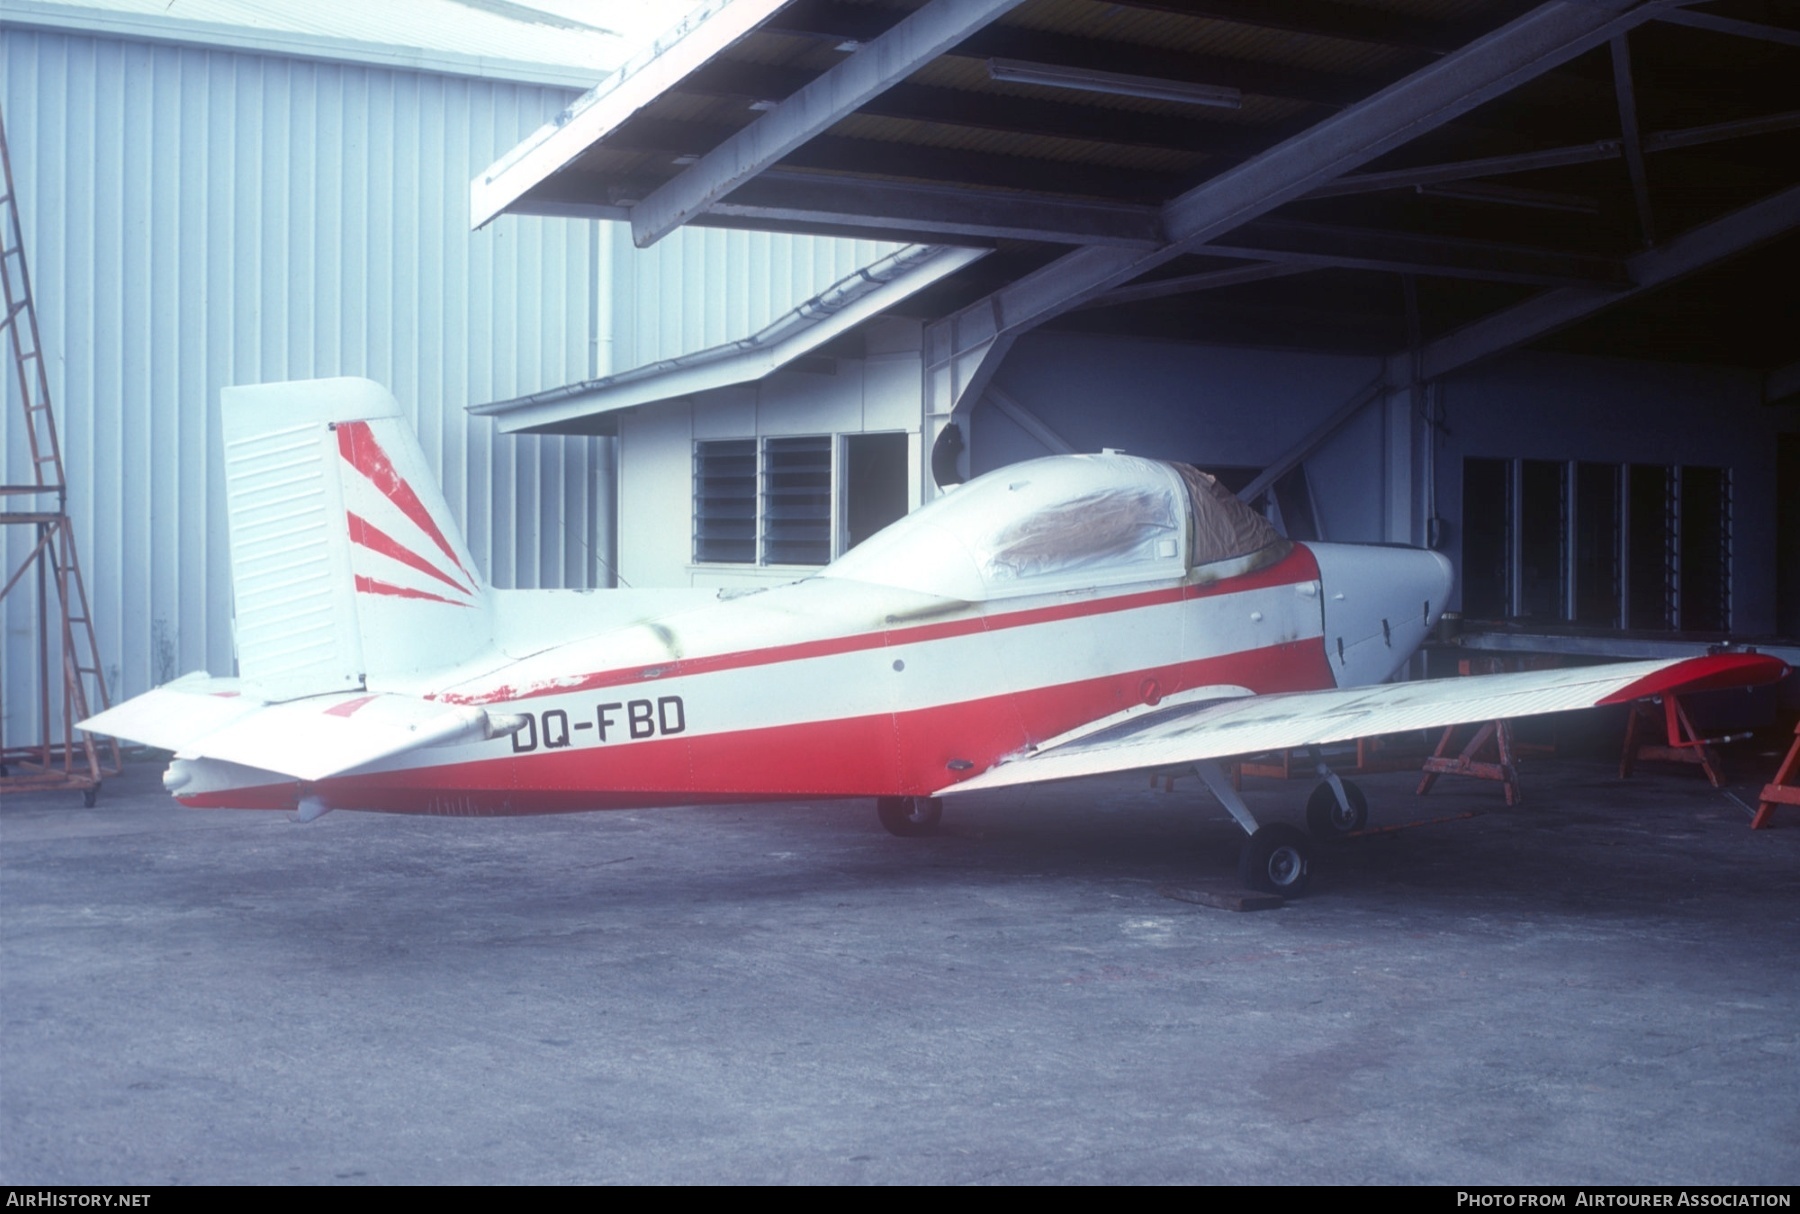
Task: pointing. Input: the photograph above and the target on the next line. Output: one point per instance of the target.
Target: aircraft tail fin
(345, 564)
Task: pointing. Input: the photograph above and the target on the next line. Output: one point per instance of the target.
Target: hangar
(1512, 280)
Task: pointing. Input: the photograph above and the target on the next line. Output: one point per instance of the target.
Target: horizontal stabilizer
(177, 713)
(307, 739)
(1189, 733)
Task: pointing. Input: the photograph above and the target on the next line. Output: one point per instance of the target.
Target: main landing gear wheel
(1277, 859)
(909, 816)
(1329, 820)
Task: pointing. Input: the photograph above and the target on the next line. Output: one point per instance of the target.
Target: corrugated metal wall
(702, 287)
(199, 218)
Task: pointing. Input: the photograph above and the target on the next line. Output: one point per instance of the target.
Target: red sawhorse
(1782, 791)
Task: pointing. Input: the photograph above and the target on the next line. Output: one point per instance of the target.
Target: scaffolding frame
(66, 651)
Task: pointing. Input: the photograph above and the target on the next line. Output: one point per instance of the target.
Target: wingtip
(1714, 672)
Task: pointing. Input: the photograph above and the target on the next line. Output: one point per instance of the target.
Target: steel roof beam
(836, 22)
(1284, 240)
(812, 199)
(1631, 140)
(955, 166)
(1728, 25)
(993, 112)
(916, 40)
(1489, 67)
(1691, 251)
(1189, 284)
(962, 348)
(1552, 158)
(1349, 24)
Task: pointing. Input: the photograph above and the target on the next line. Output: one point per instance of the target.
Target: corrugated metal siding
(196, 219)
(702, 287)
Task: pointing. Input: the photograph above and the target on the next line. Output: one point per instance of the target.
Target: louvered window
(797, 501)
(764, 502)
(725, 501)
(1640, 546)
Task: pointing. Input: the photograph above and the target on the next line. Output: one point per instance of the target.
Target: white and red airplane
(1061, 617)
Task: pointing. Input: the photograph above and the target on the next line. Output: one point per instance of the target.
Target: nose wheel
(1330, 816)
(909, 817)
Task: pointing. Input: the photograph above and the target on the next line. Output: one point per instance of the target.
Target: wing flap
(1249, 725)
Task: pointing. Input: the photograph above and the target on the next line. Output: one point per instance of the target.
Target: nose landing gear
(909, 817)
(1336, 808)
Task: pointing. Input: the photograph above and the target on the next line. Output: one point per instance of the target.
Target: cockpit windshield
(1057, 523)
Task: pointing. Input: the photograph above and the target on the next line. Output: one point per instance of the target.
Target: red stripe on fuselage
(905, 753)
(1298, 567)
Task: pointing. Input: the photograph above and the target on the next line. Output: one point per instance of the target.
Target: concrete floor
(1601, 986)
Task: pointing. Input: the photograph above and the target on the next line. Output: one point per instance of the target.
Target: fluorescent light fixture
(1117, 84)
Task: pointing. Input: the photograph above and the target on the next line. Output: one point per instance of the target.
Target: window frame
(836, 494)
(1653, 587)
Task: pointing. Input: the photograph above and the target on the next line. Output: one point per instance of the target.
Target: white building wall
(200, 218)
(877, 392)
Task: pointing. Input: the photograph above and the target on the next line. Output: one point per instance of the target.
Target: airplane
(1060, 617)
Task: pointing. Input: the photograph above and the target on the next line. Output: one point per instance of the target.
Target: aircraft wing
(307, 739)
(1250, 724)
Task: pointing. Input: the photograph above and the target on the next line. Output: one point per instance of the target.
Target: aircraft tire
(1327, 820)
(1277, 859)
(909, 817)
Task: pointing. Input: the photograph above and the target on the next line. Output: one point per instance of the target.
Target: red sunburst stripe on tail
(363, 532)
(369, 585)
(356, 443)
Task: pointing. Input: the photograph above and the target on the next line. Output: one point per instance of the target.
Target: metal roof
(869, 292)
(1376, 177)
(567, 42)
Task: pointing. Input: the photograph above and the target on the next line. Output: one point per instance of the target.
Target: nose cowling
(1379, 602)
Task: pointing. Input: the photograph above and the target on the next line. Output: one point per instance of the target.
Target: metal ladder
(66, 647)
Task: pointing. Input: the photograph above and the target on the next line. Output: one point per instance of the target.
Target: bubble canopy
(1062, 522)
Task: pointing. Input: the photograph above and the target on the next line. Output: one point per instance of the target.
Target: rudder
(347, 571)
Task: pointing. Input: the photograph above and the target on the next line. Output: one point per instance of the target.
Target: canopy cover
(1087, 519)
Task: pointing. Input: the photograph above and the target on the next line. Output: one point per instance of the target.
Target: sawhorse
(1684, 744)
(1468, 762)
(1782, 791)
